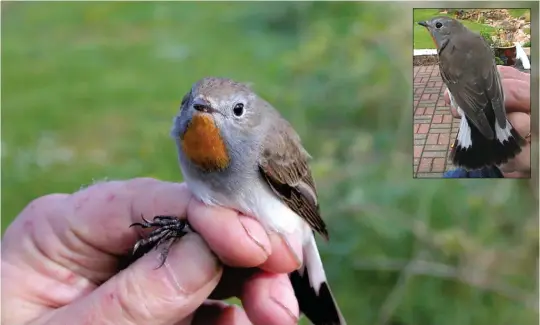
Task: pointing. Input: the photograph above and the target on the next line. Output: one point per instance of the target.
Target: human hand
(517, 100)
(60, 259)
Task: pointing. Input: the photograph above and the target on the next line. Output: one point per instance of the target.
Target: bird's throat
(434, 40)
(203, 145)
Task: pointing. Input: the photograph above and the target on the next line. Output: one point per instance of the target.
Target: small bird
(467, 67)
(236, 151)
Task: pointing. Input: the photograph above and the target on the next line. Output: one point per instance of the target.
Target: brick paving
(434, 126)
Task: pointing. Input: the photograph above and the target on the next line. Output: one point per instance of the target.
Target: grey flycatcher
(236, 151)
(467, 67)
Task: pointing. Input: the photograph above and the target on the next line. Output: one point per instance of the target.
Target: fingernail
(256, 233)
(283, 295)
(295, 248)
(191, 265)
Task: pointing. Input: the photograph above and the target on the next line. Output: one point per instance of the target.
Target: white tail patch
(503, 134)
(464, 134)
(313, 263)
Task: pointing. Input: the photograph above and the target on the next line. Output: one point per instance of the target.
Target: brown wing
(284, 166)
(465, 64)
(495, 93)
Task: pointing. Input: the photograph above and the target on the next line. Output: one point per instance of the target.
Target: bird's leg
(167, 230)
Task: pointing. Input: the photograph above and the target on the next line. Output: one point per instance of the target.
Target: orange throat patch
(203, 145)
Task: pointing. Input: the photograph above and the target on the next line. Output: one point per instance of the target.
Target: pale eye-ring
(438, 24)
(238, 109)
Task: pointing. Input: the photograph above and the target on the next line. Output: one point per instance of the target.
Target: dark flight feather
(284, 166)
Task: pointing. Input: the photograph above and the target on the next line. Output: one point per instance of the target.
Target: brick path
(434, 126)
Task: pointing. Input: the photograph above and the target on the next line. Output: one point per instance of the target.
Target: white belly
(257, 201)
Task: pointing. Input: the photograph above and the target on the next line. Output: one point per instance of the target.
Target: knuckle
(47, 202)
(129, 299)
(39, 208)
(138, 304)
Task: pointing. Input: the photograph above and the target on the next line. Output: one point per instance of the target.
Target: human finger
(23, 265)
(268, 298)
(92, 229)
(71, 242)
(102, 213)
(145, 293)
(453, 110)
(517, 95)
(513, 73)
(521, 163)
(239, 240)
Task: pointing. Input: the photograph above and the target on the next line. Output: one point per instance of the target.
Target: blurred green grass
(89, 90)
(520, 12)
(422, 39)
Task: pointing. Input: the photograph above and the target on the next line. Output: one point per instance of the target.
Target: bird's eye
(238, 109)
(438, 25)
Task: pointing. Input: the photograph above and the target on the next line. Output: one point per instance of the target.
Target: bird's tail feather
(471, 150)
(310, 286)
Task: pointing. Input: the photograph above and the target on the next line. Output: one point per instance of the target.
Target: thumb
(145, 294)
(447, 101)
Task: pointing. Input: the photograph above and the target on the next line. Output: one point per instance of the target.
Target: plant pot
(507, 54)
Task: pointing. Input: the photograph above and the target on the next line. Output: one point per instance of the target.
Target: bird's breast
(203, 144)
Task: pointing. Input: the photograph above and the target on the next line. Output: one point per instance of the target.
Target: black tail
(483, 152)
(320, 309)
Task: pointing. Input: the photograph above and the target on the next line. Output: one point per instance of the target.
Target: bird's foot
(168, 230)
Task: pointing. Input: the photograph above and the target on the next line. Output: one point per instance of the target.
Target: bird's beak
(423, 23)
(203, 106)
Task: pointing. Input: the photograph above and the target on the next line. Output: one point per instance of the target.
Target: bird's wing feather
(468, 87)
(284, 165)
(495, 93)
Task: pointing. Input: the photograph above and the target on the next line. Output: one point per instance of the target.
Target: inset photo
(465, 61)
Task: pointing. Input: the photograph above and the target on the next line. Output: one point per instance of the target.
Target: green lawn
(520, 13)
(422, 39)
(89, 90)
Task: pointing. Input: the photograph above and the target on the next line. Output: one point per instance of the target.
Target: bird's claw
(167, 230)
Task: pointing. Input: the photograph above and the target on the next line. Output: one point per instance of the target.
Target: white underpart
(279, 217)
(313, 264)
(464, 133)
(260, 202)
(503, 134)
